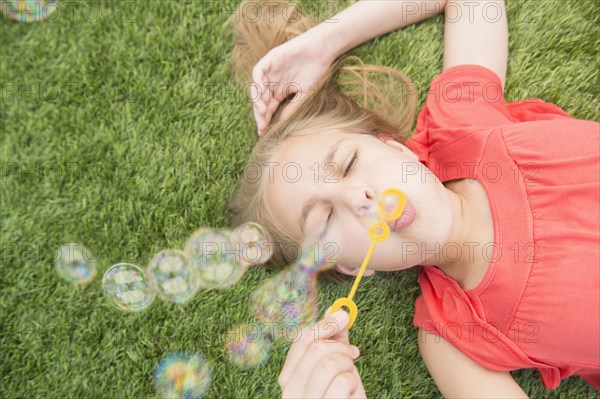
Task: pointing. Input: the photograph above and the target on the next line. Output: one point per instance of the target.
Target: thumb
(335, 323)
(291, 106)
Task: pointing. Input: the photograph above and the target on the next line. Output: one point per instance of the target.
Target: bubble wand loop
(378, 231)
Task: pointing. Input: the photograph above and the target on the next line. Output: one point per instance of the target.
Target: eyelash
(351, 163)
(348, 169)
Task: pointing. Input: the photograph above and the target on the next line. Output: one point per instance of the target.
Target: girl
(502, 197)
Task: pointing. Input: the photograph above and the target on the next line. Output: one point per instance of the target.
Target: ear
(350, 271)
(398, 146)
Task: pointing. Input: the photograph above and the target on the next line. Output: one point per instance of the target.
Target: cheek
(391, 172)
(281, 214)
(353, 247)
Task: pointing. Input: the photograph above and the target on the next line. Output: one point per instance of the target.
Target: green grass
(120, 130)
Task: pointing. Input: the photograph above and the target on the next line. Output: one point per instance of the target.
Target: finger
(333, 358)
(290, 107)
(344, 334)
(258, 89)
(258, 103)
(259, 120)
(267, 93)
(343, 386)
(258, 111)
(265, 105)
(313, 380)
(326, 328)
(359, 390)
(271, 108)
(294, 101)
(260, 70)
(280, 96)
(279, 92)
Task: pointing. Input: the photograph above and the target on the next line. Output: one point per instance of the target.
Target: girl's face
(330, 179)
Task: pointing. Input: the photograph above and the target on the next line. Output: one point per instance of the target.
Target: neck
(455, 257)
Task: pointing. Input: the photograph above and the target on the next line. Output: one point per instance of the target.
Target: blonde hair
(374, 100)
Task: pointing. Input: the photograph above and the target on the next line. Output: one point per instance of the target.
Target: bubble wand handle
(378, 231)
(363, 267)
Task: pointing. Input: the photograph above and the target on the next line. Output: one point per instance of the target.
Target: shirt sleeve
(464, 98)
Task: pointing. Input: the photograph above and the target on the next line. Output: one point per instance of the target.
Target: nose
(360, 200)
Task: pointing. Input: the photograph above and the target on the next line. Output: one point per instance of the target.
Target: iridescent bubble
(247, 346)
(387, 207)
(212, 252)
(28, 10)
(388, 204)
(182, 375)
(318, 256)
(127, 287)
(75, 264)
(255, 244)
(291, 296)
(174, 278)
(391, 204)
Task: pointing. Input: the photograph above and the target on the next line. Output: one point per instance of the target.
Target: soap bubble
(379, 214)
(255, 244)
(247, 346)
(387, 207)
(288, 298)
(391, 204)
(182, 375)
(75, 264)
(174, 279)
(313, 257)
(28, 10)
(212, 252)
(291, 297)
(127, 287)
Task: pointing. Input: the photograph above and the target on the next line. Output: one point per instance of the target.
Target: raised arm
(476, 32)
(297, 64)
(368, 19)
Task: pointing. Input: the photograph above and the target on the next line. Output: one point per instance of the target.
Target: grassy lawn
(121, 130)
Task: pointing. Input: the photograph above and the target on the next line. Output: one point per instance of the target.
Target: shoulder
(461, 99)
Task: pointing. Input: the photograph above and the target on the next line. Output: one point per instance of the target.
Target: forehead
(293, 174)
(319, 142)
(315, 147)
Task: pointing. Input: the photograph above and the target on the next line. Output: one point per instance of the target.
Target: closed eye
(346, 171)
(351, 163)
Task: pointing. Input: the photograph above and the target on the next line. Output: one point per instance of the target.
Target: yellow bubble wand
(378, 231)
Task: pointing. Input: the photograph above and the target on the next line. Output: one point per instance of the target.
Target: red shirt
(538, 306)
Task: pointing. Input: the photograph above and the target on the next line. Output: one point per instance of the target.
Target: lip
(406, 219)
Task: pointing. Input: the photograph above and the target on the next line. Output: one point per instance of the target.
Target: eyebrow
(311, 203)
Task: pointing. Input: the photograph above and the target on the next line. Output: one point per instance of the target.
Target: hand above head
(320, 364)
(296, 65)
(291, 68)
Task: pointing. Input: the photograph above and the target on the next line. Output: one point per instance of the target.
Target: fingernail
(341, 317)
